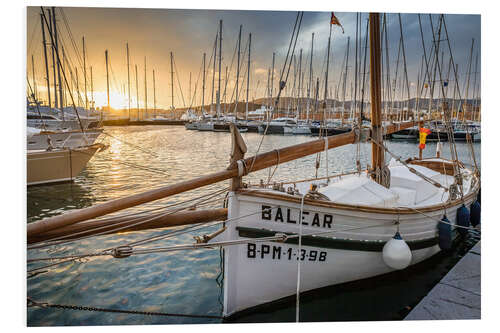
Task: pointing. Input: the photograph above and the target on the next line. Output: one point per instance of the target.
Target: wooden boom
(127, 224)
(262, 161)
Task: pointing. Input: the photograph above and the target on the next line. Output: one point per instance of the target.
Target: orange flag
(335, 20)
(423, 135)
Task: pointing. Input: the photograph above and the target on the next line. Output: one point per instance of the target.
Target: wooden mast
(378, 164)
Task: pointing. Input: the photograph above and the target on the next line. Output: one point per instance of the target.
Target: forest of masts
(228, 88)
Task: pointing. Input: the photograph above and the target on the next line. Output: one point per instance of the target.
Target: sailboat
(280, 240)
(338, 230)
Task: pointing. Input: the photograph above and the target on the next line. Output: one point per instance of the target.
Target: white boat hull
(59, 165)
(71, 139)
(256, 272)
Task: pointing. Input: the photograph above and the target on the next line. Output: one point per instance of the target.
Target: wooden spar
(375, 88)
(90, 228)
(262, 161)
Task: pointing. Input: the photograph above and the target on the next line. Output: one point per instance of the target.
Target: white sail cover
(360, 190)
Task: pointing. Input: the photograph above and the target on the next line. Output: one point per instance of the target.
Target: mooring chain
(32, 303)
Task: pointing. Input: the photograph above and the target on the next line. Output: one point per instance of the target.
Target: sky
(153, 33)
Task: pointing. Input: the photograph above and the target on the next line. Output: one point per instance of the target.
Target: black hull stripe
(335, 243)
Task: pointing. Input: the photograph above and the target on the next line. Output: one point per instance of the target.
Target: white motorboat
(40, 140)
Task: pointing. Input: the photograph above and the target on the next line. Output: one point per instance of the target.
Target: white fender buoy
(396, 253)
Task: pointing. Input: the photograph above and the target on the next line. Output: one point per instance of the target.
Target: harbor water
(140, 158)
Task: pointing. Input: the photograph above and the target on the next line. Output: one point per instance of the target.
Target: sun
(116, 100)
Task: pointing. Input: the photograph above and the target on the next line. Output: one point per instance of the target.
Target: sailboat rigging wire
(297, 305)
(100, 253)
(140, 220)
(62, 70)
(295, 28)
(36, 103)
(179, 83)
(193, 98)
(471, 147)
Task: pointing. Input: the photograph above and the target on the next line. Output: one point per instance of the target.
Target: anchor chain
(32, 303)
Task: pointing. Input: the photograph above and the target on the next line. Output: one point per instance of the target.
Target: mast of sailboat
(238, 70)
(145, 114)
(85, 74)
(404, 63)
(56, 42)
(468, 81)
(310, 78)
(356, 69)
(378, 162)
(203, 87)
(300, 85)
(107, 79)
(248, 73)
(172, 78)
(189, 96)
(272, 79)
(77, 87)
(33, 77)
(326, 73)
(92, 89)
(213, 73)
(475, 93)
(128, 81)
(226, 79)
(220, 68)
(56, 103)
(345, 81)
(46, 62)
(137, 90)
(154, 95)
(268, 92)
